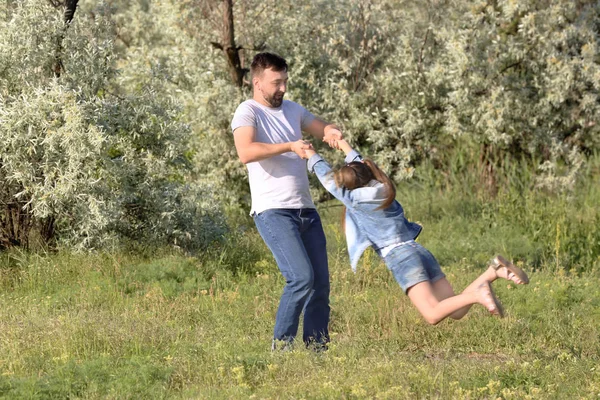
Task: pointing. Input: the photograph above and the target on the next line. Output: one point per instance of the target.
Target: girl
(374, 218)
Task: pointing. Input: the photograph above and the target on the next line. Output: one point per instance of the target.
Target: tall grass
(553, 230)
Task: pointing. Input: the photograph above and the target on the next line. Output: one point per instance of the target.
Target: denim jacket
(365, 225)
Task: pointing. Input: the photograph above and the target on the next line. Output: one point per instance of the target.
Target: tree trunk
(229, 47)
(70, 7)
(488, 170)
(15, 226)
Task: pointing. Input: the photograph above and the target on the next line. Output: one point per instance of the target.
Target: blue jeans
(297, 241)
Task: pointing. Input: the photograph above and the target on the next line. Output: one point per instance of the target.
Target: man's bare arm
(324, 131)
(249, 150)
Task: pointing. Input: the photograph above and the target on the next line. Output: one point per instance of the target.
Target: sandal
(489, 300)
(512, 270)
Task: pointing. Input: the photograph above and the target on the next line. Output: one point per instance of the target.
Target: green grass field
(164, 325)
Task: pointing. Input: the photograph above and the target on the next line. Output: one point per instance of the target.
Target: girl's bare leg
(443, 290)
(437, 301)
(423, 296)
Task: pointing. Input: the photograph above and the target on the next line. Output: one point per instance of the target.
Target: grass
(131, 326)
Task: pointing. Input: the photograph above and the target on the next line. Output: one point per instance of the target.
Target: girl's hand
(309, 153)
(300, 147)
(344, 146)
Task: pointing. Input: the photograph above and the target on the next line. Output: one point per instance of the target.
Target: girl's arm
(351, 154)
(323, 170)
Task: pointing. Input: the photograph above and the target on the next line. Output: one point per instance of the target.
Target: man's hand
(299, 147)
(332, 135)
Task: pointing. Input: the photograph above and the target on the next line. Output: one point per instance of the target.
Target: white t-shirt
(280, 181)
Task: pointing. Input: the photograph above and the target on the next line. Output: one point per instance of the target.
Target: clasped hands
(305, 149)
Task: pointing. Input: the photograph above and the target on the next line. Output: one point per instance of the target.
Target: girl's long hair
(358, 174)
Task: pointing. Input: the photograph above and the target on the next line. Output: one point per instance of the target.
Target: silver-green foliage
(524, 77)
(407, 81)
(513, 79)
(82, 159)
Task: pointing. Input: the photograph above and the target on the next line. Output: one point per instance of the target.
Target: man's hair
(264, 61)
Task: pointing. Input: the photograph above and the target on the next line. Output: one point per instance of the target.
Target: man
(268, 138)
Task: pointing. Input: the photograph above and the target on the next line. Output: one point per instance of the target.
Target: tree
(408, 81)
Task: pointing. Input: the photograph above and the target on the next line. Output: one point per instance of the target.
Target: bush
(81, 162)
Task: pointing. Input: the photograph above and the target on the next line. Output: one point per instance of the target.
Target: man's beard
(276, 100)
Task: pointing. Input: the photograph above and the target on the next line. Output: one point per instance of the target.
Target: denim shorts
(412, 263)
